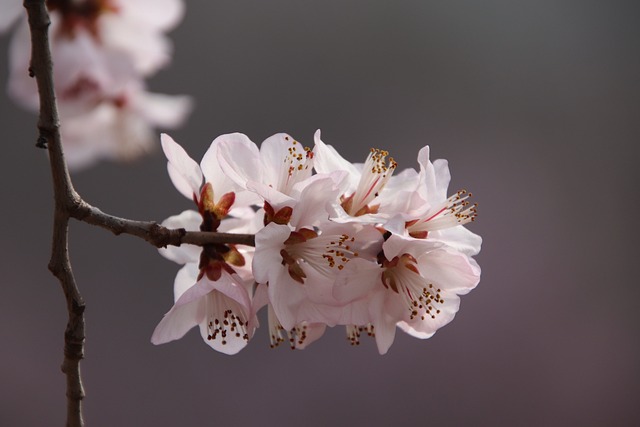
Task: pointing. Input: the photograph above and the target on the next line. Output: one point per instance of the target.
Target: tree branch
(64, 195)
(68, 204)
(153, 232)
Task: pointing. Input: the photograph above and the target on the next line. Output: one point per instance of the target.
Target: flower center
(225, 318)
(375, 175)
(354, 332)
(298, 165)
(324, 253)
(296, 336)
(456, 210)
(402, 276)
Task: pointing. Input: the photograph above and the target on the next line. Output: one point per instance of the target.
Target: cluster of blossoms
(351, 244)
(103, 50)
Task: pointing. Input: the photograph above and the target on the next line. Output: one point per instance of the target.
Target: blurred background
(536, 105)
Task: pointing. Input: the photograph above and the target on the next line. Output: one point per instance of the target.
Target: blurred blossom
(102, 51)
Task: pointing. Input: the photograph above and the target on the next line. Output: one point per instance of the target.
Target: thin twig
(154, 233)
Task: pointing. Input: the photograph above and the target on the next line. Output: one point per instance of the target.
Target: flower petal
(189, 220)
(184, 172)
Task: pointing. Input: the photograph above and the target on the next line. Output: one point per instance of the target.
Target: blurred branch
(68, 204)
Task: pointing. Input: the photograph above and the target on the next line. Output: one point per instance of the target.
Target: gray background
(536, 107)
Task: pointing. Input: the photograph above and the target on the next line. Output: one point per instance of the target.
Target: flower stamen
(375, 175)
(456, 210)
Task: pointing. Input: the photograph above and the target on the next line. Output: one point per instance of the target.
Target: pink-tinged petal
(385, 334)
(242, 147)
(425, 328)
(184, 172)
(397, 245)
(260, 298)
(232, 286)
(327, 160)
(239, 168)
(314, 332)
(413, 332)
(459, 238)
(267, 259)
(187, 312)
(228, 341)
(383, 321)
(177, 322)
(189, 220)
(186, 278)
(434, 177)
(357, 280)
(314, 201)
(275, 198)
(286, 297)
(273, 152)
(450, 270)
(443, 177)
(396, 195)
(396, 224)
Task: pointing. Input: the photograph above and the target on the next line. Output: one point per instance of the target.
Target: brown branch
(64, 195)
(68, 204)
(153, 232)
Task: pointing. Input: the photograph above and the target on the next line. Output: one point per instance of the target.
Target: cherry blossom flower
(299, 337)
(331, 249)
(370, 191)
(277, 172)
(302, 267)
(432, 214)
(416, 288)
(212, 290)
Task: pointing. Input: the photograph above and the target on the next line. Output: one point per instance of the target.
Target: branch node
(42, 142)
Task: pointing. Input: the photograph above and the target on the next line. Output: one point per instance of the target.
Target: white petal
(187, 276)
(267, 259)
(314, 201)
(210, 164)
(273, 152)
(314, 332)
(459, 238)
(450, 270)
(397, 245)
(239, 168)
(434, 177)
(326, 160)
(189, 220)
(187, 312)
(228, 341)
(184, 172)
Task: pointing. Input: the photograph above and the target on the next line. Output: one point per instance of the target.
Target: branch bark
(64, 195)
(68, 204)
